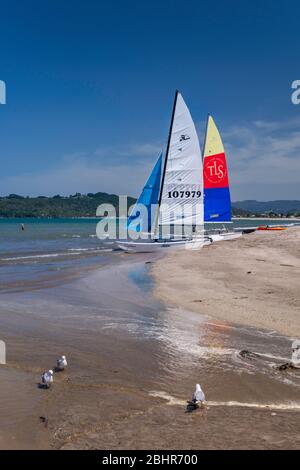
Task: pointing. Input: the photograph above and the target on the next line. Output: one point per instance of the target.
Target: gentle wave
(91, 250)
(70, 252)
(48, 255)
(292, 406)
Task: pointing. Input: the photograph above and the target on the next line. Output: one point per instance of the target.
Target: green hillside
(77, 205)
(285, 207)
(85, 205)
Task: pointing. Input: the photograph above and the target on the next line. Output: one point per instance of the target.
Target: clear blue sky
(90, 87)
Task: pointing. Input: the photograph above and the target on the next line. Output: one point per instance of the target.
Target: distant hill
(260, 207)
(77, 205)
(235, 212)
(85, 205)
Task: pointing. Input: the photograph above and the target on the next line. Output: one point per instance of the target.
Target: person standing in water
(22, 227)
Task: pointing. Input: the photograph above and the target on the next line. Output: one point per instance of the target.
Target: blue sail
(217, 205)
(148, 197)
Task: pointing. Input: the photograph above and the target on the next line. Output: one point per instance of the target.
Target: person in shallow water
(198, 399)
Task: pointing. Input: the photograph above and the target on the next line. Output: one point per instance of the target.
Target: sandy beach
(254, 280)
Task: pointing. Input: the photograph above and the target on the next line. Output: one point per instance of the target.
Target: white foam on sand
(91, 250)
(70, 252)
(48, 255)
(291, 406)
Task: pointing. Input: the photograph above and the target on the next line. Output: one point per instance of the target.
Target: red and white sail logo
(215, 171)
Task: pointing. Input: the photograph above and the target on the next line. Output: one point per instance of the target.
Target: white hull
(157, 246)
(218, 237)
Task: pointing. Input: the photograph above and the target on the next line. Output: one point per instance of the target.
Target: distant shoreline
(85, 206)
(91, 217)
(266, 218)
(50, 218)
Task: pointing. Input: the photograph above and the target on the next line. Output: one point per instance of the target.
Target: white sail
(181, 201)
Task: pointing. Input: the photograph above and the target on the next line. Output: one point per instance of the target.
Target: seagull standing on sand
(61, 363)
(296, 354)
(47, 378)
(198, 395)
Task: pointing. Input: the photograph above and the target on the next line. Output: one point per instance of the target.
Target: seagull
(47, 378)
(296, 354)
(61, 363)
(198, 398)
(198, 395)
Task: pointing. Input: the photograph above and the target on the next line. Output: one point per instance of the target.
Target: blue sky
(90, 87)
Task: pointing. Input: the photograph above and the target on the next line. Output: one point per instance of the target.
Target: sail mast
(165, 165)
(168, 148)
(205, 137)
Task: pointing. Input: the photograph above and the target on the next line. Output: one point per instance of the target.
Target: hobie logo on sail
(215, 170)
(184, 137)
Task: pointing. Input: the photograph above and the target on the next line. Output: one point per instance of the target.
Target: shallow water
(122, 343)
(48, 249)
(125, 347)
(43, 237)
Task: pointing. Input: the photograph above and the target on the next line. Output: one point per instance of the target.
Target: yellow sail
(213, 142)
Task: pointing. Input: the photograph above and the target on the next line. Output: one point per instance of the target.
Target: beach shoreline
(283, 219)
(252, 281)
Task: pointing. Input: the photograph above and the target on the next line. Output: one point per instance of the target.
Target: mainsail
(181, 197)
(217, 205)
(139, 220)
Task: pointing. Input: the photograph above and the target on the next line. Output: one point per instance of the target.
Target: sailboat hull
(225, 236)
(160, 246)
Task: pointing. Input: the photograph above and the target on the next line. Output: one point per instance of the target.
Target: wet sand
(133, 362)
(254, 280)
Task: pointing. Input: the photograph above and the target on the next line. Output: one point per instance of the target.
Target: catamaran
(173, 194)
(217, 202)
